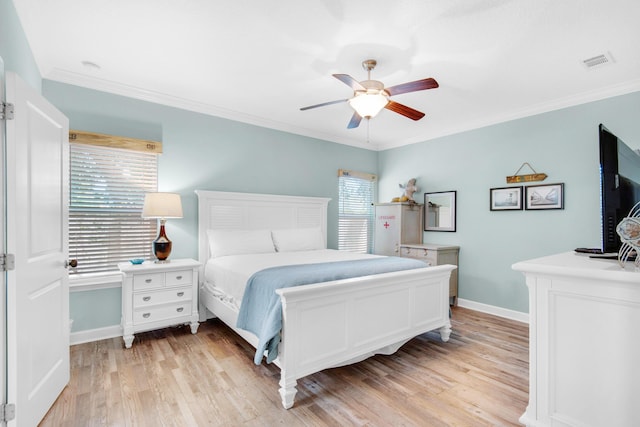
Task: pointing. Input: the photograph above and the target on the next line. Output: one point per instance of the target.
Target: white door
(37, 174)
(3, 289)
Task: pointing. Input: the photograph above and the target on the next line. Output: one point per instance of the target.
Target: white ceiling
(259, 61)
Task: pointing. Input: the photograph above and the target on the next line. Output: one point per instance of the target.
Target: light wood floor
(173, 378)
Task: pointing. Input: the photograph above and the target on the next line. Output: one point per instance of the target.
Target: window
(356, 194)
(105, 205)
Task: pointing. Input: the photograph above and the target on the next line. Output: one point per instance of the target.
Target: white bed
(326, 324)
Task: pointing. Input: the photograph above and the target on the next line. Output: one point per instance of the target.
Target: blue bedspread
(261, 309)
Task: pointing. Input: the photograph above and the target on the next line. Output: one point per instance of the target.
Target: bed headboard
(249, 211)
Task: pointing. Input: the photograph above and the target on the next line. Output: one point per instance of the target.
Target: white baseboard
(95, 334)
(496, 311)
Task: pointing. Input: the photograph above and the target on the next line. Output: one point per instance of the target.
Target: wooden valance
(356, 174)
(92, 138)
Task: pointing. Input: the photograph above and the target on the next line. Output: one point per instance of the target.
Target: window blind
(356, 195)
(107, 188)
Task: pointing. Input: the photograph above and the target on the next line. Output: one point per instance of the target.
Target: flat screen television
(619, 185)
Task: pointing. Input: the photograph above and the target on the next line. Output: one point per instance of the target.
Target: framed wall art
(505, 199)
(548, 196)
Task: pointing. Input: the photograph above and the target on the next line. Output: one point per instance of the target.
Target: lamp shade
(368, 104)
(162, 205)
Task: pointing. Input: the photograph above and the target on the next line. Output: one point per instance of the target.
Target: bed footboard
(334, 323)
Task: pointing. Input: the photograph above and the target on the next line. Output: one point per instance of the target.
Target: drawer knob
(180, 309)
(178, 277)
(180, 294)
(147, 281)
(146, 298)
(146, 315)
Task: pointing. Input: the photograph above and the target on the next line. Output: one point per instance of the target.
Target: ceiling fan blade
(323, 104)
(350, 81)
(409, 112)
(412, 86)
(355, 121)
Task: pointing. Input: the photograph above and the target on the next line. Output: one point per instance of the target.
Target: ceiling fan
(370, 96)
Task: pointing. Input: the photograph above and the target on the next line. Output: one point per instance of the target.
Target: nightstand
(436, 255)
(158, 295)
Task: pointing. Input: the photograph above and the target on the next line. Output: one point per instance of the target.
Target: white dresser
(157, 295)
(436, 255)
(397, 223)
(584, 345)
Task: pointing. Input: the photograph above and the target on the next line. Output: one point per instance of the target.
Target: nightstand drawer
(181, 277)
(149, 280)
(143, 299)
(162, 312)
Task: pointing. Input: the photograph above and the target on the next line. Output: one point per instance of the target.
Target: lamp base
(162, 246)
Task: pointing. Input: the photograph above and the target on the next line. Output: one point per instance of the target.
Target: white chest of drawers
(159, 295)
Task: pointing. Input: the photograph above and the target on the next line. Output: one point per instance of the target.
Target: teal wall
(14, 47)
(204, 152)
(563, 144)
(99, 308)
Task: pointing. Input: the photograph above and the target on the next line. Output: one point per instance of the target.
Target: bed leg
(445, 332)
(287, 392)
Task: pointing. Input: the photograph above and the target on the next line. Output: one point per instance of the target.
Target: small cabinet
(395, 224)
(158, 295)
(436, 255)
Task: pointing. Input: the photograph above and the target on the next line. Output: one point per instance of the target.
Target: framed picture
(506, 199)
(549, 196)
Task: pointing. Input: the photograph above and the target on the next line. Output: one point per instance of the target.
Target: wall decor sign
(549, 196)
(535, 176)
(505, 199)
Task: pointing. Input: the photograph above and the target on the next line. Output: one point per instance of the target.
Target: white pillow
(298, 239)
(239, 242)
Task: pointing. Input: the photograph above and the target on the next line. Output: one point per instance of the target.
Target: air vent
(598, 61)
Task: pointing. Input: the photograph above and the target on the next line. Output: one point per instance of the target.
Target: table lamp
(162, 206)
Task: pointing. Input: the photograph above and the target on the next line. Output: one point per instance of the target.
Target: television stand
(583, 346)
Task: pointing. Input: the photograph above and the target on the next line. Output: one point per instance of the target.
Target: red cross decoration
(386, 224)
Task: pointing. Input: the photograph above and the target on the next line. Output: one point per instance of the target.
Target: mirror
(440, 211)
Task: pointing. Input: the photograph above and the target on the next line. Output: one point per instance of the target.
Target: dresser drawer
(422, 254)
(161, 312)
(144, 299)
(147, 281)
(180, 277)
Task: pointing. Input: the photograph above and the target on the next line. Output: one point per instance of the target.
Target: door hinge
(7, 412)
(7, 262)
(6, 111)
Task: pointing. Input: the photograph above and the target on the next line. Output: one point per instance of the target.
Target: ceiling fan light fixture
(368, 104)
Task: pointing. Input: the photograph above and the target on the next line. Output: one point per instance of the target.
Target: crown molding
(134, 92)
(557, 104)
